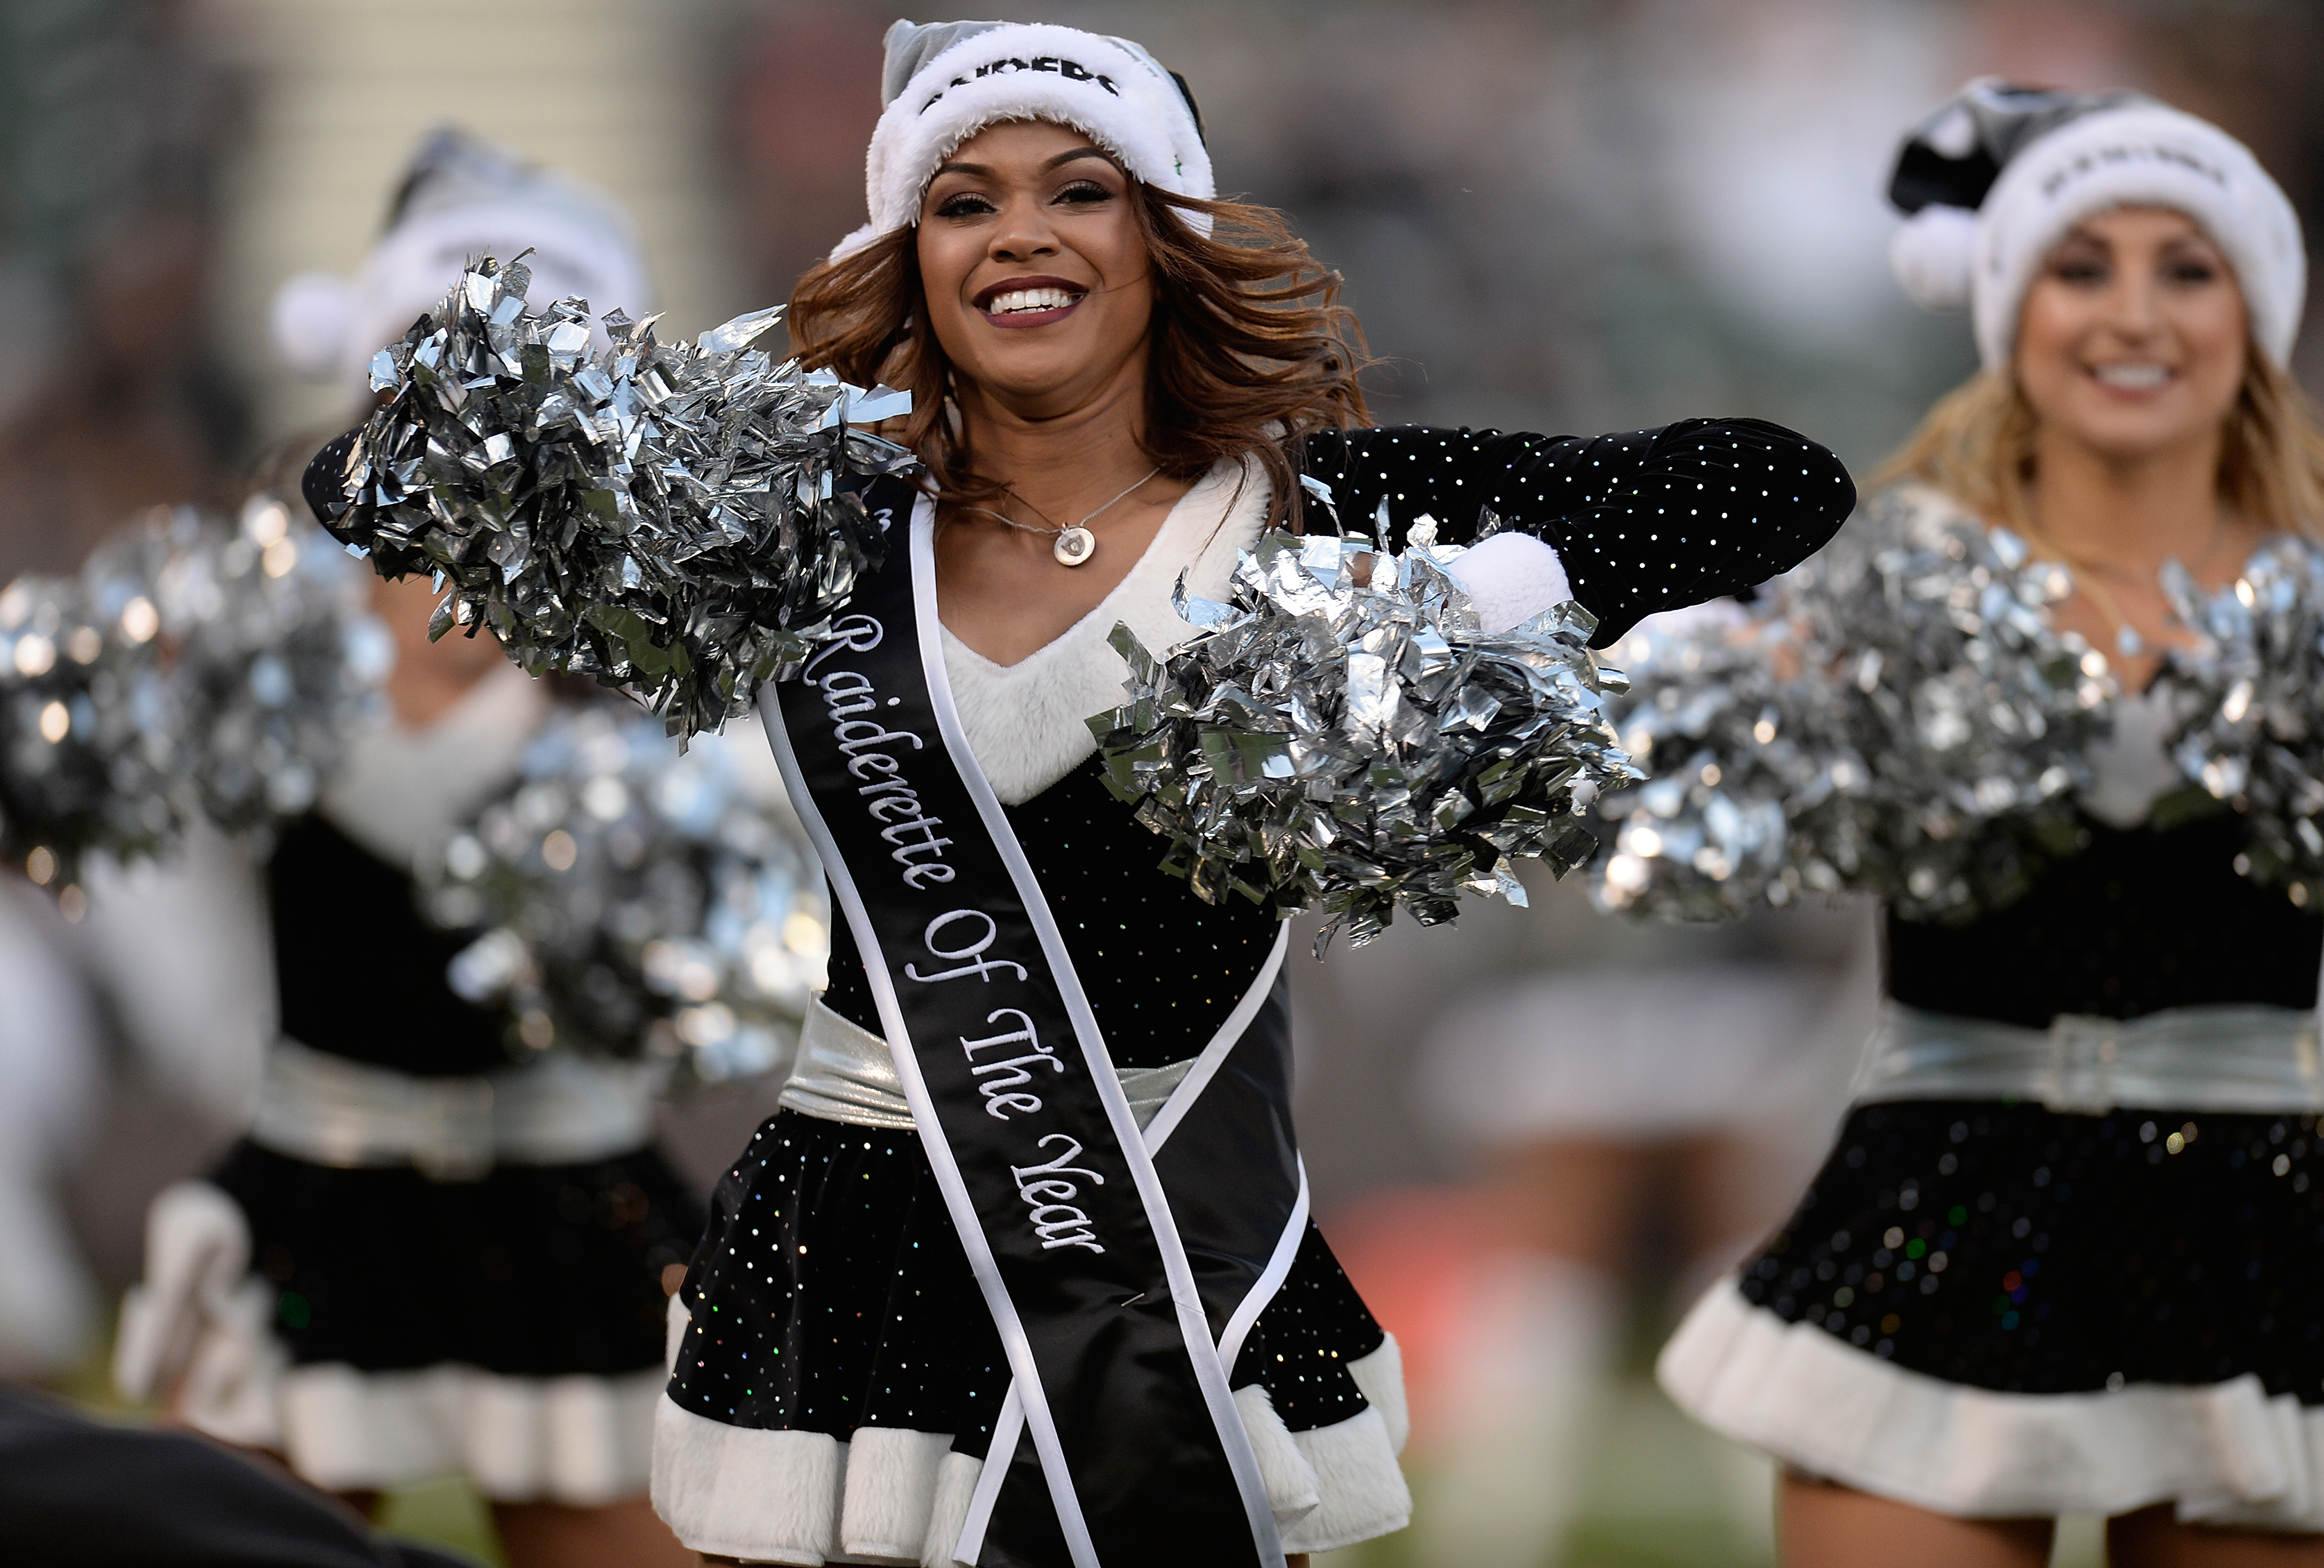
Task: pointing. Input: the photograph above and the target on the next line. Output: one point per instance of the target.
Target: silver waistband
(2240, 1058)
(846, 1074)
(329, 1110)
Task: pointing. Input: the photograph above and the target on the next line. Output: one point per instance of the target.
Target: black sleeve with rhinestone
(1163, 969)
(1643, 521)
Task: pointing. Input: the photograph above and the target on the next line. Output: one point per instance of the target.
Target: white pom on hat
(310, 319)
(1934, 256)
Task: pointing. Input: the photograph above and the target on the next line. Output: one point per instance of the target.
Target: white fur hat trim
(1932, 256)
(2141, 155)
(1110, 90)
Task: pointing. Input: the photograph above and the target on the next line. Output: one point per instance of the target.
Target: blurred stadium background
(1574, 215)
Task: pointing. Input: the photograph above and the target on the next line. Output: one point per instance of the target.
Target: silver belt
(2241, 1058)
(846, 1074)
(559, 1111)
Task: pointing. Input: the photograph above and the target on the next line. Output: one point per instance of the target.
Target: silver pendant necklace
(1074, 545)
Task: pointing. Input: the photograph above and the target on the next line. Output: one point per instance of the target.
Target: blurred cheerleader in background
(426, 1258)
(2049, 696)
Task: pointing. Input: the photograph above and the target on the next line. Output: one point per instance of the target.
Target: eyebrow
(984, 171)
(2194, 237)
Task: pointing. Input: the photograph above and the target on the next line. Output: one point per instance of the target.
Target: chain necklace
(2085, 573)
(1075, 545)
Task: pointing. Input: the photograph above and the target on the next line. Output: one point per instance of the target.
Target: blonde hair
(1977, 446)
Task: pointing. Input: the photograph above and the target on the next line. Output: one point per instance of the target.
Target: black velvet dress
(531, 1270)
(2080, 1253)
(1992, 1308)
(500, 1315)
(831, 1295)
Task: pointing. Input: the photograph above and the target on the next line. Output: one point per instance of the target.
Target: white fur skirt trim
(582, 1440)
(2225, 1453)
(199, 1330)
(893, 1495)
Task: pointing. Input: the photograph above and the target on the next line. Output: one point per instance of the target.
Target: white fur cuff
(1510, 578)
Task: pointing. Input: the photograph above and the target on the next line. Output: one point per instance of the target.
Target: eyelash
(2094, 271)
(968, 204)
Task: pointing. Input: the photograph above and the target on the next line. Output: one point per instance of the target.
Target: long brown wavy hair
(1252, 348)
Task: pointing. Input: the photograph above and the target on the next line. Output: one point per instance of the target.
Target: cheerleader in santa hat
(2062, 1258)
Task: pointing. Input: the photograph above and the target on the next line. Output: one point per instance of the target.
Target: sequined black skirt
(1998, 1311)
(2020, 1249)
(831, 1292)
(534, 1271)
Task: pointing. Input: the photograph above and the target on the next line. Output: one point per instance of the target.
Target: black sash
(1121, 1268)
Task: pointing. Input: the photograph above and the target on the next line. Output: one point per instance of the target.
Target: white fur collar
(1025, 721)
(402, 790)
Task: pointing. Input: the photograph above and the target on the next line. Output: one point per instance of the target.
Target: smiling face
(2134, 336)
(1037, 275)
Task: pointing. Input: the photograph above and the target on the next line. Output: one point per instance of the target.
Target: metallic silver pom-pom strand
(660, 517)
(2253, 735)
(637, 900)
(1343, 736)
(191, 668)
(1901, 705)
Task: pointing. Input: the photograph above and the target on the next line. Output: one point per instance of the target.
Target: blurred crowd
(1582, 215)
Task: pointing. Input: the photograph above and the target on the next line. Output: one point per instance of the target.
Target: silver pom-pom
(1726, 737)
(1915, 717)
(281, 662)
(1343, 736)
(91, 736)
(2254, 738)
(658, 517)
(191, 669)
(637, 900)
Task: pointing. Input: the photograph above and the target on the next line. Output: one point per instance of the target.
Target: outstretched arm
(1647, 521)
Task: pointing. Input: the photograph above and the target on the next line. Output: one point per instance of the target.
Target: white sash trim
(1206, 1065)
(1209, 1370)
(847, 1073)
(1270, 1279)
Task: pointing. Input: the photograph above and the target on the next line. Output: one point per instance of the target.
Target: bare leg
(1536, 1324)
(2153, 1538)
(1726, 1200)
(1819, 1525)
(624, 1534)
(1570, 1198)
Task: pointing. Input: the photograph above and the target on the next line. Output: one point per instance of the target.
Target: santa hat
(943, 82)
(1999, 175)
(460, 197)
